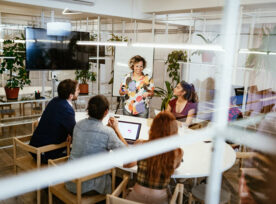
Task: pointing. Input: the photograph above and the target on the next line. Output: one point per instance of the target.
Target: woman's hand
(123, 90)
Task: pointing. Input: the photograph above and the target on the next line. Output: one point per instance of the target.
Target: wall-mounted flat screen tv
(56, 52)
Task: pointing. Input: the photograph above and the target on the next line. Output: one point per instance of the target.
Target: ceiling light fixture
(121, 44)
(180, 46)
(247, 51)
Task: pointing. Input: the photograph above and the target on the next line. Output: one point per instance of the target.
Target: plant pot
(83, 88)
(207, 57)
(12, 93)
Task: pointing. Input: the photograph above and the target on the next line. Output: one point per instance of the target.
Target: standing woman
(137, 89)
(184, 106)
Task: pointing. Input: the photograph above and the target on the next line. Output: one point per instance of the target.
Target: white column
(135, 31)
(153, 27)
(98, 53)
(87, 24)
(237, 45)
(187, 73)
(123, 29)
(222, 97)
(1, 48)
(44, 72)
(167, 28)
(247, 72)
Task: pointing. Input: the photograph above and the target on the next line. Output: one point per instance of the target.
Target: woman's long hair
(190, 94)
(164, 125)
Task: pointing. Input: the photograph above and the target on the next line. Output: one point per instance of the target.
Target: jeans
(144, 114)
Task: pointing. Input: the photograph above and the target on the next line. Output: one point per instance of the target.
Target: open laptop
(129, 130)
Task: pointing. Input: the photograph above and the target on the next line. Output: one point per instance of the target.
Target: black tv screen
(50, 52)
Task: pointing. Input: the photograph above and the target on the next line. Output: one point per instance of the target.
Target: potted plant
(14, 66)
(84, 76)
(174, 73)
(207, 56)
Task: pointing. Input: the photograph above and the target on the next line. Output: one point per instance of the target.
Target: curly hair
(135, 59)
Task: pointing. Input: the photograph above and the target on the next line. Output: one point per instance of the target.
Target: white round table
(197, 157)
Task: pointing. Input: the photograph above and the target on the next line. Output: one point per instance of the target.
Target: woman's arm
(178, 157)
(169, 109)
(122, 92)
(134, 163)
(190, 116)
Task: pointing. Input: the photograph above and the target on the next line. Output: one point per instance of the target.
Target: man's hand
(69, 139)
(113, 123)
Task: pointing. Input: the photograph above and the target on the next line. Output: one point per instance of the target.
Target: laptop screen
(129, 130)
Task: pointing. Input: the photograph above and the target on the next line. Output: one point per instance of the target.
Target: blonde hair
(135, 59)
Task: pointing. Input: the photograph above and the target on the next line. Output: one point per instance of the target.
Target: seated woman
(184, 106)
(154, 173)
(90, 136)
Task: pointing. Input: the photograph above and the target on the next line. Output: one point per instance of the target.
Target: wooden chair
(198, 194)
(66, 196)
(27, 162)
(9, 112)
(121, 189)
(36, 108)
(245, 155)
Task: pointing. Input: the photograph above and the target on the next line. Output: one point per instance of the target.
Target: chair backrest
(110, 199)
(79, 181)
(121, 189)
(178, 193)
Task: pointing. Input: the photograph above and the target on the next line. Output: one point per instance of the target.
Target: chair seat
(199, 193)
(66, 196)
(27, 162)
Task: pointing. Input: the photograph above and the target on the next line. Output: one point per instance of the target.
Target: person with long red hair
(154, 173)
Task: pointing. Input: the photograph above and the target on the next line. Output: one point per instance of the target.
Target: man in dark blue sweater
(57, 120)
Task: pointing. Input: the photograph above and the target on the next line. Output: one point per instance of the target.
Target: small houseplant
(174, 73)
(14, 66)
(207, 56)
(84, 76)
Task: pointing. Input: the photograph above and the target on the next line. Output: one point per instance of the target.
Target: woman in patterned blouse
(137, 88)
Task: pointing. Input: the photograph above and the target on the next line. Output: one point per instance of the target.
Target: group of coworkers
(90, 136)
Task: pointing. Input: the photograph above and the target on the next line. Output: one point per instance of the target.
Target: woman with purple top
(184, 106)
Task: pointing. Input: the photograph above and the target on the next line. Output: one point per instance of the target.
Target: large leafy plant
(174, 73)
(15, 65)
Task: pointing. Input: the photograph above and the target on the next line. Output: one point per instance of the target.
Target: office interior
(229, 59)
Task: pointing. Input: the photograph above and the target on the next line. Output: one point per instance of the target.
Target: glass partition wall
(247, 96)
